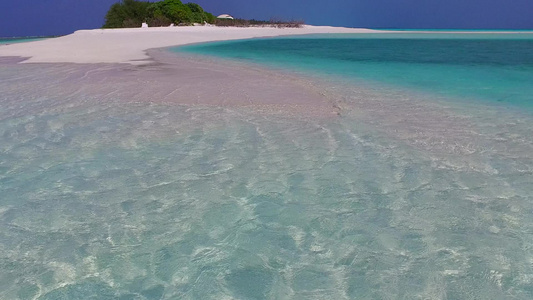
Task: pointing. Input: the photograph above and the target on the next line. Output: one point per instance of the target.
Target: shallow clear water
(493, 67)
(401, 196)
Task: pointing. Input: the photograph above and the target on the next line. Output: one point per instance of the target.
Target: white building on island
(225, 16)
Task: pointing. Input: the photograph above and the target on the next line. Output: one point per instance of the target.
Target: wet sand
(170, 78)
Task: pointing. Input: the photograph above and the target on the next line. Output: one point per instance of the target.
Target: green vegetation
(132, 13)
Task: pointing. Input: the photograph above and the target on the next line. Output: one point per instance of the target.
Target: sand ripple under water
(191, 180)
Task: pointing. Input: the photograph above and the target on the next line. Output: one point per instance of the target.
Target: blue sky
(57, 17)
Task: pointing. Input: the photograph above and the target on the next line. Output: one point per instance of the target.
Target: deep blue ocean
(468, 66)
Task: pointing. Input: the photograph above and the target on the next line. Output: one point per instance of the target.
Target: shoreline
(174, 79)
(129, 45)
(162, 77)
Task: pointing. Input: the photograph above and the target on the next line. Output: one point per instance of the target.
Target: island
(133, 13)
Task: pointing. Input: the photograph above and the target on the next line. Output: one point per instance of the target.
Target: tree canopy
(132, 13)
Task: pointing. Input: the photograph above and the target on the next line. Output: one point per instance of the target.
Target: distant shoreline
(4, 41)
(440, 30)
(455, 30)
(129, 45)
(26, 37)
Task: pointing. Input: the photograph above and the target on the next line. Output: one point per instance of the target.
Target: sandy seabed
(128, 172)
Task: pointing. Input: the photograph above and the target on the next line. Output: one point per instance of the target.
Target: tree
(115, 16)
(210, 18)
(176, 11)
(127, 13)
(197, 13)
(132, 13)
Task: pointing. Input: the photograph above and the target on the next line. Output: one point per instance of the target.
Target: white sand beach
(129, 45)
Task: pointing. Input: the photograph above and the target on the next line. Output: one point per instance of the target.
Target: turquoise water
(473, 66)
(5, 41)
(116, 182)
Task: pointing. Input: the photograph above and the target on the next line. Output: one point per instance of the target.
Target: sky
(58, 17)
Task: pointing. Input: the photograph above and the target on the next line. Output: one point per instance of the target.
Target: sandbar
(129, 45)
